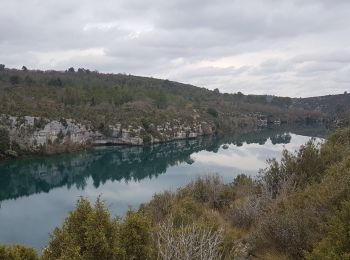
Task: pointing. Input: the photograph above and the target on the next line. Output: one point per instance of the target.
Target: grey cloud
(282, 47)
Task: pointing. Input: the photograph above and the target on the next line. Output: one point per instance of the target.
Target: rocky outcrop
(50, 136)
(139, 135)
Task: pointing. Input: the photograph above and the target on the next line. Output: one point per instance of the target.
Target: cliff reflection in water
(41, 174)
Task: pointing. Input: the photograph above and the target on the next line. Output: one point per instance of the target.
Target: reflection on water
(37, 193)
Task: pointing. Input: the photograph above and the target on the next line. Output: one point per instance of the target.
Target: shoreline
(91, 146)
(86, 147)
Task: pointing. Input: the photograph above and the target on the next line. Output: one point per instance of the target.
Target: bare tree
(188, 242)
(278, 186)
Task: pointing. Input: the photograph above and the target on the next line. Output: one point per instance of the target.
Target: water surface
(36, 194)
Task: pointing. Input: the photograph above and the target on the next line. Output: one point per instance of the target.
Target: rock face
(33, 132)
(40, 134)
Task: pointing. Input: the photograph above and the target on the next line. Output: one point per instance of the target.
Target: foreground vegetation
(298, 208)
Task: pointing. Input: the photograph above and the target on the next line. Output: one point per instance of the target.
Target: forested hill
(102, 99)
(330, 104)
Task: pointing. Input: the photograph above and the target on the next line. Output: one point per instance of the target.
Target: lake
(36, 194)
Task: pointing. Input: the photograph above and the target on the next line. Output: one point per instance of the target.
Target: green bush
(57, 82)
(336, 146)
(29, 80)
(40, 123)
(63, 122)
(213, 112)
(159, 207)
(336, 242)
(209, 189)
(4, 140)
(17, 252)
(147, 139)
(288, 231)
(294, 171)
(14, 80)
(87, 233)
(186, 211)
(135, 236)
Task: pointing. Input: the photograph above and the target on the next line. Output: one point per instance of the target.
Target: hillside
(117, 98)
(58, 111)
(331, 104)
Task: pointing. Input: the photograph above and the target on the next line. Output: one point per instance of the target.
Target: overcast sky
(281, 47)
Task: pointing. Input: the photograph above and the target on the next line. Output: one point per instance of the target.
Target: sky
(296, 48)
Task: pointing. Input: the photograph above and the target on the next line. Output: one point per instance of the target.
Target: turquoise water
(36, 194)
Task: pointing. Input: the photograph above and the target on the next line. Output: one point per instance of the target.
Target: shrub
(40, 123)
(160, 206)
(14, 80)
(310, 167)
(160, 100)
(188, 242)
(336, 243)
(213, 112)
(145, 123)
(105, 129)
(17, 252)
(294, 171)
(20, 121)
(295, 224)
(209, 189)
(147, 138)
(87, 233)
(244, 185)
(4, 140)
(186, 210)
(287, 231)
(135, 236)
(63, 122)
(57, 82)
(29, 80)
(341, 136)
(242, 180)
(246, 211)
(336, 147)
(60, 136)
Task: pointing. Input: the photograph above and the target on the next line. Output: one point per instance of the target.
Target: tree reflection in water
(41, 174)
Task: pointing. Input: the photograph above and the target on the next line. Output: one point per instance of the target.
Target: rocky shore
(30, 134)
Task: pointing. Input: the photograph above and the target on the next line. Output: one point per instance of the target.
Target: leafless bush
(280, 188)
(188, 242)
(288, 232)
(276, 181)
(252, 208)
(244, 212)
